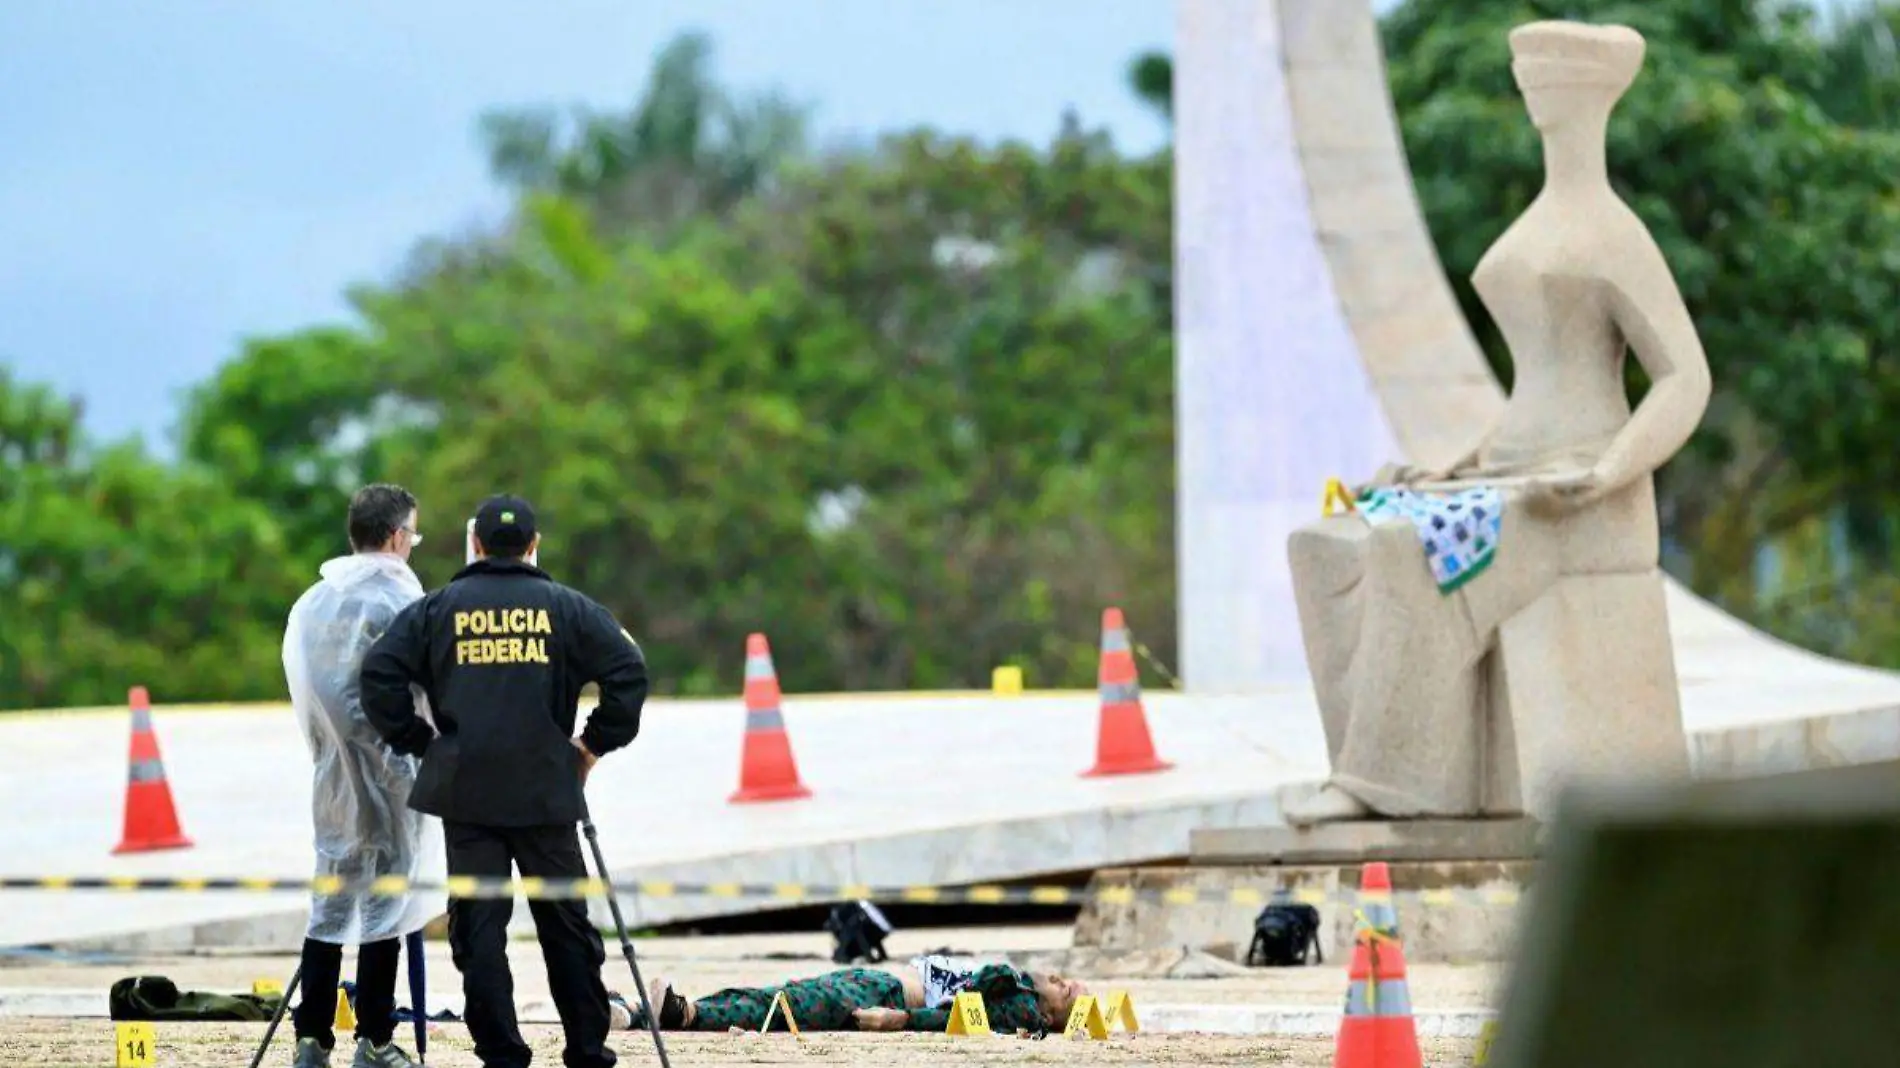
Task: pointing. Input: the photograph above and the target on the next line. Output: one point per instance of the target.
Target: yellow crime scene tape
(811, 893)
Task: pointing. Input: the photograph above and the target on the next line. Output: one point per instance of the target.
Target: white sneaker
(370, 1056)
(619, 1013)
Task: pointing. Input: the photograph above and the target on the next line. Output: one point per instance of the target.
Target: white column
(1271, 398)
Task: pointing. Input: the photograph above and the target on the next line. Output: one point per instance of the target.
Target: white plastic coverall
(360, 793)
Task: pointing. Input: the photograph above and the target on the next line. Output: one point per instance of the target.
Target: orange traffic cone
(767, 771)
(1378, 1030)
(1123, 745)
(151, 820)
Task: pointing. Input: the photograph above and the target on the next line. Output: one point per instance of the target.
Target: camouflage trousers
(821, 1003)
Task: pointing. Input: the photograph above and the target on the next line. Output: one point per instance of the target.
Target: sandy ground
(60, 1044)
(702, 964)
(699, 965)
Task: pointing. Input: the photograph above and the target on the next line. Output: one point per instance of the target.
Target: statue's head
(1571, 71)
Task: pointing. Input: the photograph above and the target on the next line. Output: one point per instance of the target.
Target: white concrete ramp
(908, 790)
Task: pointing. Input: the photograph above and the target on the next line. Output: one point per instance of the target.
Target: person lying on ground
(915, 998)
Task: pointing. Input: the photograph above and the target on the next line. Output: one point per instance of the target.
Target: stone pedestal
(1457, 885)
(1449, 911)
(1358, 842)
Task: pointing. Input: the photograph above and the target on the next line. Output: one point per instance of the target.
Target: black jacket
(502, 652)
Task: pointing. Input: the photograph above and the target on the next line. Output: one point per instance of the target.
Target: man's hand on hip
(588, 759)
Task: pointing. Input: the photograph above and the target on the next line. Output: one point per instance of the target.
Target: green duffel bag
(154, 997)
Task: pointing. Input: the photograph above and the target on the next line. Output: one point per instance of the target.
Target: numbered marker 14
(138, 1046)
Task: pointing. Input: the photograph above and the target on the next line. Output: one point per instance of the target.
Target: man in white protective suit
(360, 792)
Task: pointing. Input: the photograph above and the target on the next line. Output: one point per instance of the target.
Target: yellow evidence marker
(968, 1016)
(267, 988)
(137, 1046)
(1336, 493)
(791, 1022)
(1121, 1012)
(345, 1016)
(1006, 681)
(1086, 1019)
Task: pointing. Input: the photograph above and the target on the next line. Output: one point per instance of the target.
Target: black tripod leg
(282, 1007)
(417, 952)
(620, 925)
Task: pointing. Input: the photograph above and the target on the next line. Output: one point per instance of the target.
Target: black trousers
(571, 947)
(375, 991)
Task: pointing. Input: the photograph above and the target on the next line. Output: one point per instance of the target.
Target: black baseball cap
(504, 525)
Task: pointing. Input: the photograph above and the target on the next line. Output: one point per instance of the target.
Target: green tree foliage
(908, 409)
(908, 412)
(686, 146)
(287, 423)
(1151, 76)
(1861, 67)
(116, 569)
(1002, 385)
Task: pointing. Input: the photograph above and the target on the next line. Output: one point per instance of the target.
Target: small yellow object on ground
(779, 1002)
(1121, 1012)
(137, 1046)
(968, 1016)
(1336, 493)
(1086, 1019)
(1007, 681)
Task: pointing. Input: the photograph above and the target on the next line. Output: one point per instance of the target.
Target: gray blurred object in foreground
(1749, 924)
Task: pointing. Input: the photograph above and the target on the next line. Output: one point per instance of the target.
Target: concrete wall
(1456, 912)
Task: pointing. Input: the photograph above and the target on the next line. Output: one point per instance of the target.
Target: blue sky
(180, 175)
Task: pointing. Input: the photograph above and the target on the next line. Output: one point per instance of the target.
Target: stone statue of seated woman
(1477, 632)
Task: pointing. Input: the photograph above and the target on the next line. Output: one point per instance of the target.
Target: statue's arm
(1410, 474)
(1647, 308)
(1467, 461)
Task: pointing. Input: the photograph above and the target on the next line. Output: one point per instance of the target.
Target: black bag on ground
(857, 930)
(156, 998)
(1285, 934)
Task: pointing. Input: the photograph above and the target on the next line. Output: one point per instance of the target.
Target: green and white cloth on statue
(1458, 528)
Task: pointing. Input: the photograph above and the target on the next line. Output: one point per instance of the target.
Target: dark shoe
(671, 1006)
(371, 1056)
(310, 1054)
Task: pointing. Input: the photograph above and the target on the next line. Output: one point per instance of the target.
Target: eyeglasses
(414, 538)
